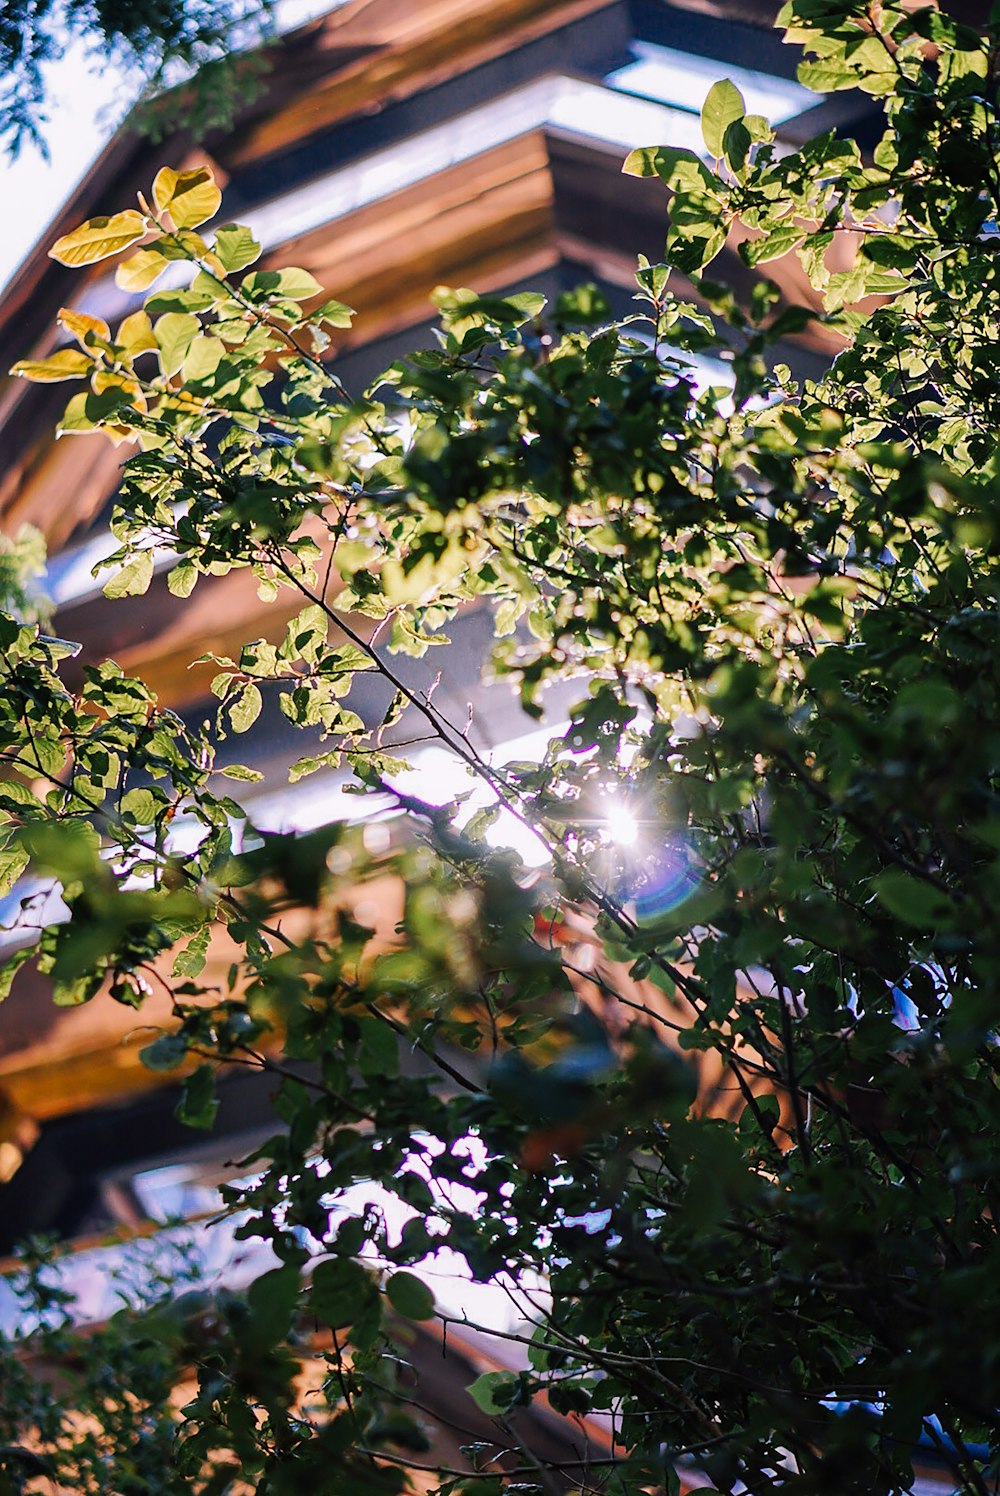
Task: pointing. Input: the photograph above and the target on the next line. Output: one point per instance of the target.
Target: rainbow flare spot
(659, 881)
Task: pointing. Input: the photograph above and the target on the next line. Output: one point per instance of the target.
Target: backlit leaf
(245, 710)
(680, 169)
(190, 197)
(297, 285)
(83, 326)
(236, 247)
(13, 861)
(182, 578)
(722, 107)
(174, 333)
(134, 577)
(334, 313)
(140, 270)
(136, 334)
(68, 363)
(203, 358)
(99, 237)
(88, 410)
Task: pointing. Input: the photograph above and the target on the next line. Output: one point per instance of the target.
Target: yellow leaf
(189, 196)
(104, 379)
(163, 188)
(79, 324)
(98, 238)
(118, 434)
(68, 363)
(192, 245)
(136, 334)
(140, 270)
(429, 575)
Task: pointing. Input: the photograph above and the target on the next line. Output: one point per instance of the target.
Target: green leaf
(306, 634)
(190, 962)
(133, 579)
(297, 285)
(340, 1291)
(198, 1104)
(184, 300)
(13, 861)
(175, 332)
(86, 411)
(758, 128)
(272, 1300)
(410, 1296)
(826, 75)
(736, 144)
(141, 806)
(680, 169)
(245, 710)
(241, 771)
(10, 966)
(378, 1048)
(914, 901)
(696, 234)
(99, 238)
(494, 1392)
(334, 313)
(779, 242)
(181, 578)
(526, 304)
(202, 358)
(236, 247)
(165, 1053)
(723, 106)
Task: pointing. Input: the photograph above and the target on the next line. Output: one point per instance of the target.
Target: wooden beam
(399, 51)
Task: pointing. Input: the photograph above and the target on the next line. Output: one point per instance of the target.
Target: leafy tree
(154, 40)
(771, 827)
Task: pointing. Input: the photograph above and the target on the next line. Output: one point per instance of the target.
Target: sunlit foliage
(768, 836)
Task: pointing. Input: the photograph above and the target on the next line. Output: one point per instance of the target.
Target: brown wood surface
(398, 50)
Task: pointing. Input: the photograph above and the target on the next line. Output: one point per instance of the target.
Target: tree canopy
(157, 41)
(769, 831)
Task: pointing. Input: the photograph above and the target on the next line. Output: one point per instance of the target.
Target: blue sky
(83, 111)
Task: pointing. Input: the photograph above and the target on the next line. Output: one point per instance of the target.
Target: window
(682, 79)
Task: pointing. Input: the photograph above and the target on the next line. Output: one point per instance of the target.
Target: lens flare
(622, 827)
(661, 879)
